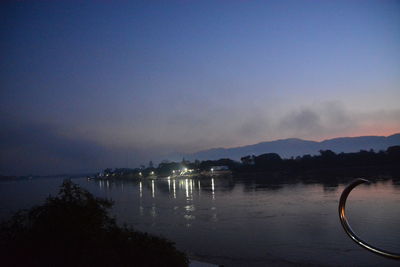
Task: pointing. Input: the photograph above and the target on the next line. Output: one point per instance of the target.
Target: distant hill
(293, 147)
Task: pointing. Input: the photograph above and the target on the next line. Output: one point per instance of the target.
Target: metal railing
(347, 227)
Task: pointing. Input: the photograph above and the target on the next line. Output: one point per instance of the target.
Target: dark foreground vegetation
(74, 229)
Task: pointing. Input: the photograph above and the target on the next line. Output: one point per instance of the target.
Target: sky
(86, 85)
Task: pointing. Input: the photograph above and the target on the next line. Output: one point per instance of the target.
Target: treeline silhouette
(326, 163)
(74, 229)
(326, 159)
(167, 168)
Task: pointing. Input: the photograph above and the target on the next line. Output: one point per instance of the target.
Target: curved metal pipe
(346, 225)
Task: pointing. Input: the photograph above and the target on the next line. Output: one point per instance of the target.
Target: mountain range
(293, 147)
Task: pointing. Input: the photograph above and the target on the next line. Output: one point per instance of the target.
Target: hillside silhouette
(294, 147)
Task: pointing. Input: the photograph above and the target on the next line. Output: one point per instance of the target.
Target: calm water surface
(239, 223)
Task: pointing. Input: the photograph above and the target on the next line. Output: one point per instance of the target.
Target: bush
(74, 229)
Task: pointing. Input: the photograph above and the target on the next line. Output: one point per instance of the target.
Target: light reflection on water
(251, 223)
(248, 223)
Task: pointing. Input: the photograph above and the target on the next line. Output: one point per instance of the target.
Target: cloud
(303, 122)
(38, 148)
(333, 119)
(319, 121)
(42, 148)
(316, 122)
(28, 147)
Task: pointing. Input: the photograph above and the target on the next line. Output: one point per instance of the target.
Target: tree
(108, 171)
(74, 229)
(247, 160)
(197, 163)
(184, 162)
(393, 151)
(327, 154)
(268, 161)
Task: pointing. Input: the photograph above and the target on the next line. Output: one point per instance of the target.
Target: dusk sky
(87, 85)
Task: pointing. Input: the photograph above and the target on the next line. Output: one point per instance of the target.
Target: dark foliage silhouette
(74, 229)
(327, 164)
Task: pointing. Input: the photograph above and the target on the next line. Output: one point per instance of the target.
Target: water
(243, 223)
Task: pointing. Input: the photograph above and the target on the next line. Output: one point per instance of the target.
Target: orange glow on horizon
(365, 130)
